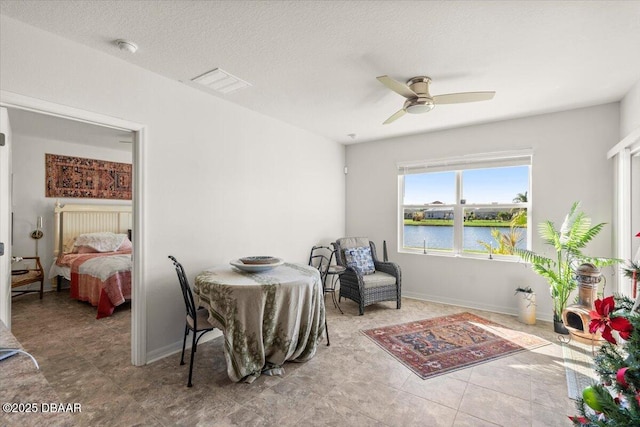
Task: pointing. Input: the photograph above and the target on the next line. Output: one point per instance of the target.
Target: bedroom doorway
(59, 118)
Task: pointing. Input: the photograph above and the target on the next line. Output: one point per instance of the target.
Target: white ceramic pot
(527, 308)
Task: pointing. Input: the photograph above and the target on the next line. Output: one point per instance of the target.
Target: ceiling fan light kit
(420, 101)
(419, 105)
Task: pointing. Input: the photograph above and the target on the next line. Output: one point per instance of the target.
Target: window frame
(459, 165)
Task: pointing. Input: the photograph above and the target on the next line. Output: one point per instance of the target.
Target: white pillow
(101, 242)
(68, 245)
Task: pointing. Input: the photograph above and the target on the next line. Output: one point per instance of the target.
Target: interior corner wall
(29, 201)
(220, 181)
(630, 111)
(569, 164)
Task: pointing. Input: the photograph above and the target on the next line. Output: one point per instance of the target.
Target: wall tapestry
(87, 178)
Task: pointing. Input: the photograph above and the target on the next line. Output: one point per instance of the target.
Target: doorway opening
(68, 124)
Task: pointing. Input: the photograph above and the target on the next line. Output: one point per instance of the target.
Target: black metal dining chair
(196, 320)
(318, 258)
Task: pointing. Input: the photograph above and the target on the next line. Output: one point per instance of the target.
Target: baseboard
(176, 347)
(471, 304)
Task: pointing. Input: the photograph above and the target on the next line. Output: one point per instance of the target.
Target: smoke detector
(127, 46)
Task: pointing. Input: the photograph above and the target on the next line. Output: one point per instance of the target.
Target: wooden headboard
(72, 220)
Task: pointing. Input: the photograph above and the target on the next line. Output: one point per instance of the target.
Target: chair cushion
(360, 259)
(31, 276)
(203, 320)
(378, 279)
(353, 242)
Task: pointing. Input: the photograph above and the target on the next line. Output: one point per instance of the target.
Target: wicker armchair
(365, 289)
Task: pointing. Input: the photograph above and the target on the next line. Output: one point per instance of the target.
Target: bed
(93, 253)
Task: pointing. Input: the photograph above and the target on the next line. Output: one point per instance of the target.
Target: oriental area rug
(87, 178)
(444, 344)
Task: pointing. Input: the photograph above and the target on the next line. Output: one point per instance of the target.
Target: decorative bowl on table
(259, 260)
(256, 264)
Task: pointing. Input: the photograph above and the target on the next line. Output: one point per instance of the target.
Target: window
(471, 206)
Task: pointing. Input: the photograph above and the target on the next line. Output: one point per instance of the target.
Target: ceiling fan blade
(397, 87)
(395, 116)
(458, 98)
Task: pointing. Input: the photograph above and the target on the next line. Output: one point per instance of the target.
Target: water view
(441, 237)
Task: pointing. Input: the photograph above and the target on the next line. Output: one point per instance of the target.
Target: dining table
(266, 317)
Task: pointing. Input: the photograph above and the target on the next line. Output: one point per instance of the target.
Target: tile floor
(352, 383)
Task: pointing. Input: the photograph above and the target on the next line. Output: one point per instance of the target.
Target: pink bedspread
(102, 279)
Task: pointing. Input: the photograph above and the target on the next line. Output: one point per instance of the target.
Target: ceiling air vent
(221, 81)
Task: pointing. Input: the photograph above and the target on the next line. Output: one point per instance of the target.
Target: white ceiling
(314, 63)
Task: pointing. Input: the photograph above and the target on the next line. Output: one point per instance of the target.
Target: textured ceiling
(314, 63)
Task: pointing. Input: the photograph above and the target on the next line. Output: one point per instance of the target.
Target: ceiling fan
(420, 101)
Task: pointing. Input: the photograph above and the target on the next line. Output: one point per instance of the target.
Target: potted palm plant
(567, 242)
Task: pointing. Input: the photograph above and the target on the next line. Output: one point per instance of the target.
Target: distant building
(438, 213)
(446, 212)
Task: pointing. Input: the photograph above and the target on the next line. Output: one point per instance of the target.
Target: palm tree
(521, 198)
(506, 242)
(519, 216)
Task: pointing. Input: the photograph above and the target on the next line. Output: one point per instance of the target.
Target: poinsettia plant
(604, 321)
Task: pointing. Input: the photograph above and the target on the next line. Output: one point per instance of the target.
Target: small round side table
(333, 274)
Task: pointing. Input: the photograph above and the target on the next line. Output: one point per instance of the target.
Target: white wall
(569, 164)
(630, 111)
(220, 181)
(630, 121)
(29, 199)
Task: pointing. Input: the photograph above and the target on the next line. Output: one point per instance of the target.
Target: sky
(495, 185)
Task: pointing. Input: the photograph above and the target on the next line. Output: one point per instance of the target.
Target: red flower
(602, 322)
(581, 420)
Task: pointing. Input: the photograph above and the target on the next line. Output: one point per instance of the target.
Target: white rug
(579, 367)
